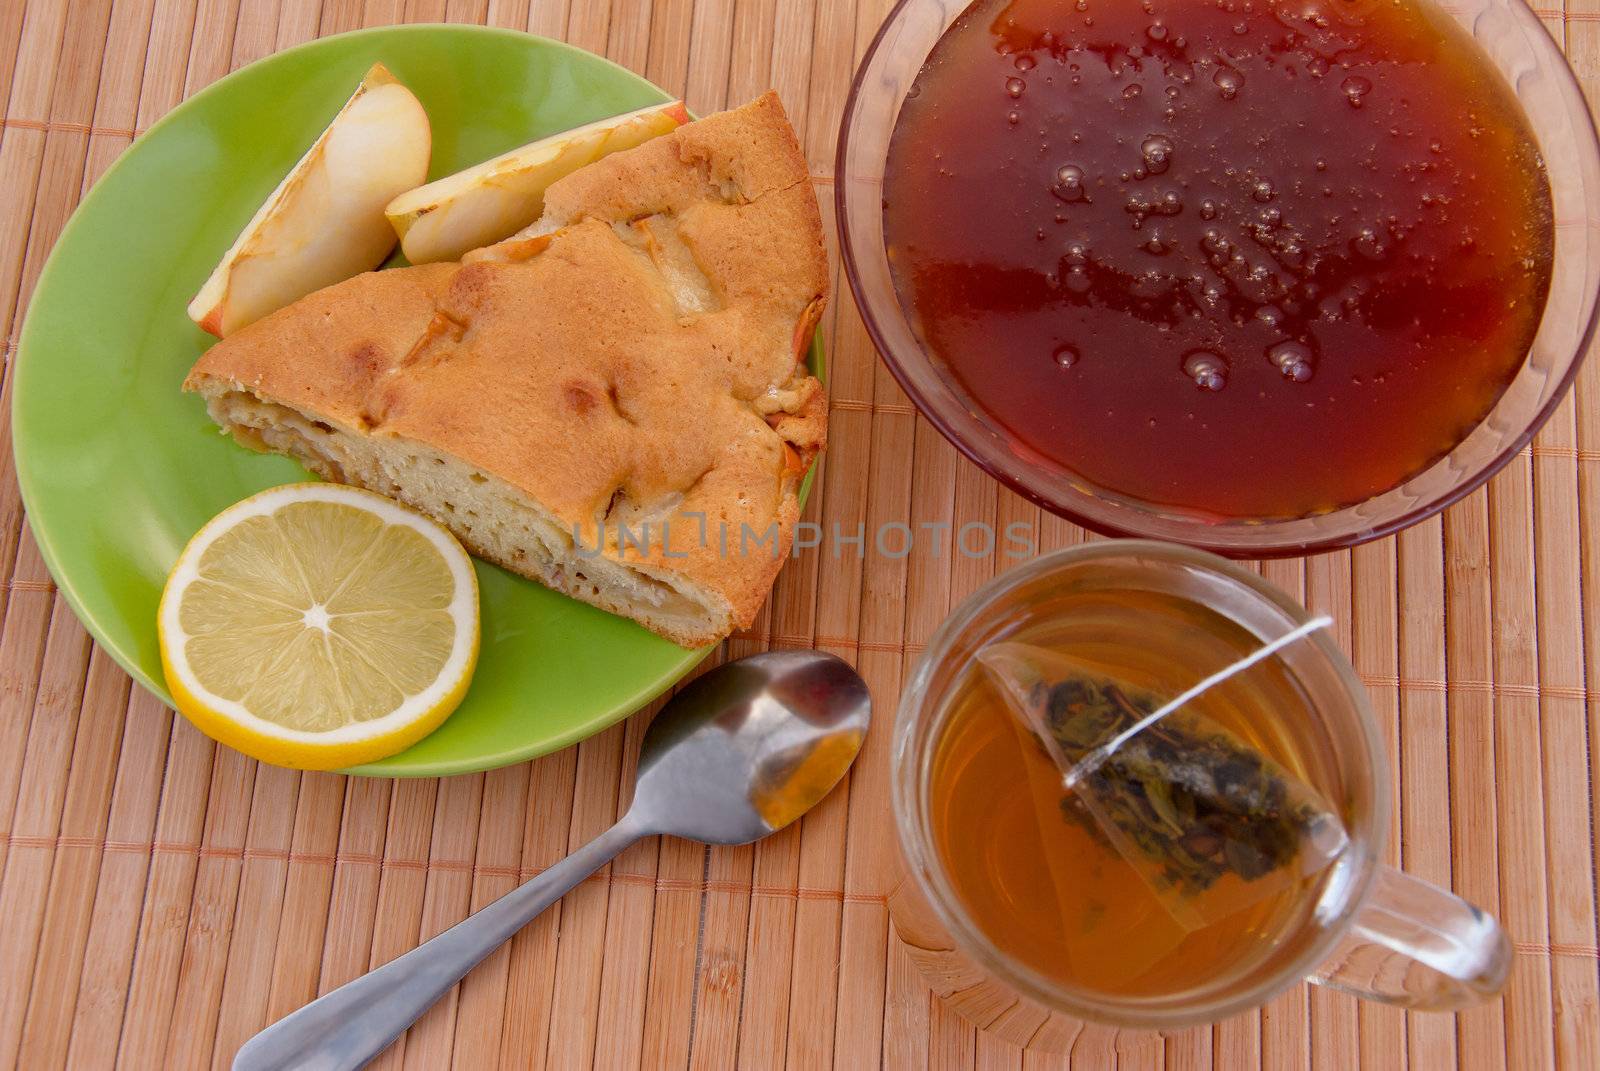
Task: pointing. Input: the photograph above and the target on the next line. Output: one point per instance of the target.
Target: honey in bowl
(1243, 258)
(1053, 892)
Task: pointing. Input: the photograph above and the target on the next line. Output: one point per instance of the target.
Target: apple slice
(492, 200)
(324, 222)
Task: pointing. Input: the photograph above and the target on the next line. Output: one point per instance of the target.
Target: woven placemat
(162, 899)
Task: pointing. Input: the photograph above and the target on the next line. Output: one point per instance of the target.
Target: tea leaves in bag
(1210, 823)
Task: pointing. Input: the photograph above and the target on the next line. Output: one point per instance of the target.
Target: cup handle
(1418, 946)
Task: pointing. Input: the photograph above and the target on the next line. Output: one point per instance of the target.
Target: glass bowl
(1515, 42)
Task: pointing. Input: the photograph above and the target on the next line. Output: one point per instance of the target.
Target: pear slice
(324, 222)
(492, 200)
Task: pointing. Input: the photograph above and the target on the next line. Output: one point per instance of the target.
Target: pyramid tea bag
(1210, 823)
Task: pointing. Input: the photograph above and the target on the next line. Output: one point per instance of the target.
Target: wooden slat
(1575, 989)
(1583, 49)
(1285, 1023)
(337, 16)
(1469, 653)
(951, 1041)
(499, 859)
(446, 900)
(36, 211)
(583, 911)
(21, 650)
(869, 852)
(163, 899)
(307, 894)
(258, 907)
(195, 1008)
(1424, 790)
(353, 899)
(841, 479)
(164, 918)
(1333, 1022)
(297, 21)
(548, 17)
(630, 909)
(104, 983)
(526, 1023)
(402, 885)
(1519, 777)
(1374, 644)
(64, 928)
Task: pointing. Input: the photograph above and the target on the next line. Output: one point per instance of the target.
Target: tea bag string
(1092, 761)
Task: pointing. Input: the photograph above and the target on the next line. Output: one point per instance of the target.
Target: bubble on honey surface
(1156, 32)
(1015, 86)
(1013, 118)
(1369, 244)
(1216, 245)
(1065, 356)
(1157, 152)
(1208, 370)
(1133, 90)
(1077, 280)
(1262, 190)
(1069, 185)
(1024, 62)
(1355, 88)
(1228, 82)
(1293, 359)
(1140, 207)
(1208, 209)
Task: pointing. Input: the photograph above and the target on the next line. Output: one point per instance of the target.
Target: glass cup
(1370, 930)
(1510, 35)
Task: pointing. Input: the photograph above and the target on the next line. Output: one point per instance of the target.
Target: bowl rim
(848, 253)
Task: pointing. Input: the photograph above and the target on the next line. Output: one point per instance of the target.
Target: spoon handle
(349, 1026)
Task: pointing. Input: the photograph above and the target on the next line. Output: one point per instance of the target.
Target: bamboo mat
(162, 899)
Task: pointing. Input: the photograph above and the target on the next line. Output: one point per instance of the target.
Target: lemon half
(319, 626)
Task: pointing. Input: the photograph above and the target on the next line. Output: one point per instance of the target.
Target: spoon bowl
(747, 748)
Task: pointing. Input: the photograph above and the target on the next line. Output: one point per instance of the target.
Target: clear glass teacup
(1358, 925)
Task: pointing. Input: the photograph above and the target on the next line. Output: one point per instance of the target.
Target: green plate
(118, 468)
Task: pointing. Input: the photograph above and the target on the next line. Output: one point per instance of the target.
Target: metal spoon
(738, 754)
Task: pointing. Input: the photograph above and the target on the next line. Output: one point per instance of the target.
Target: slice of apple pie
(616, 407)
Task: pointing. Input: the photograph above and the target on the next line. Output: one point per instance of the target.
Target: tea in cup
(1137, 785)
